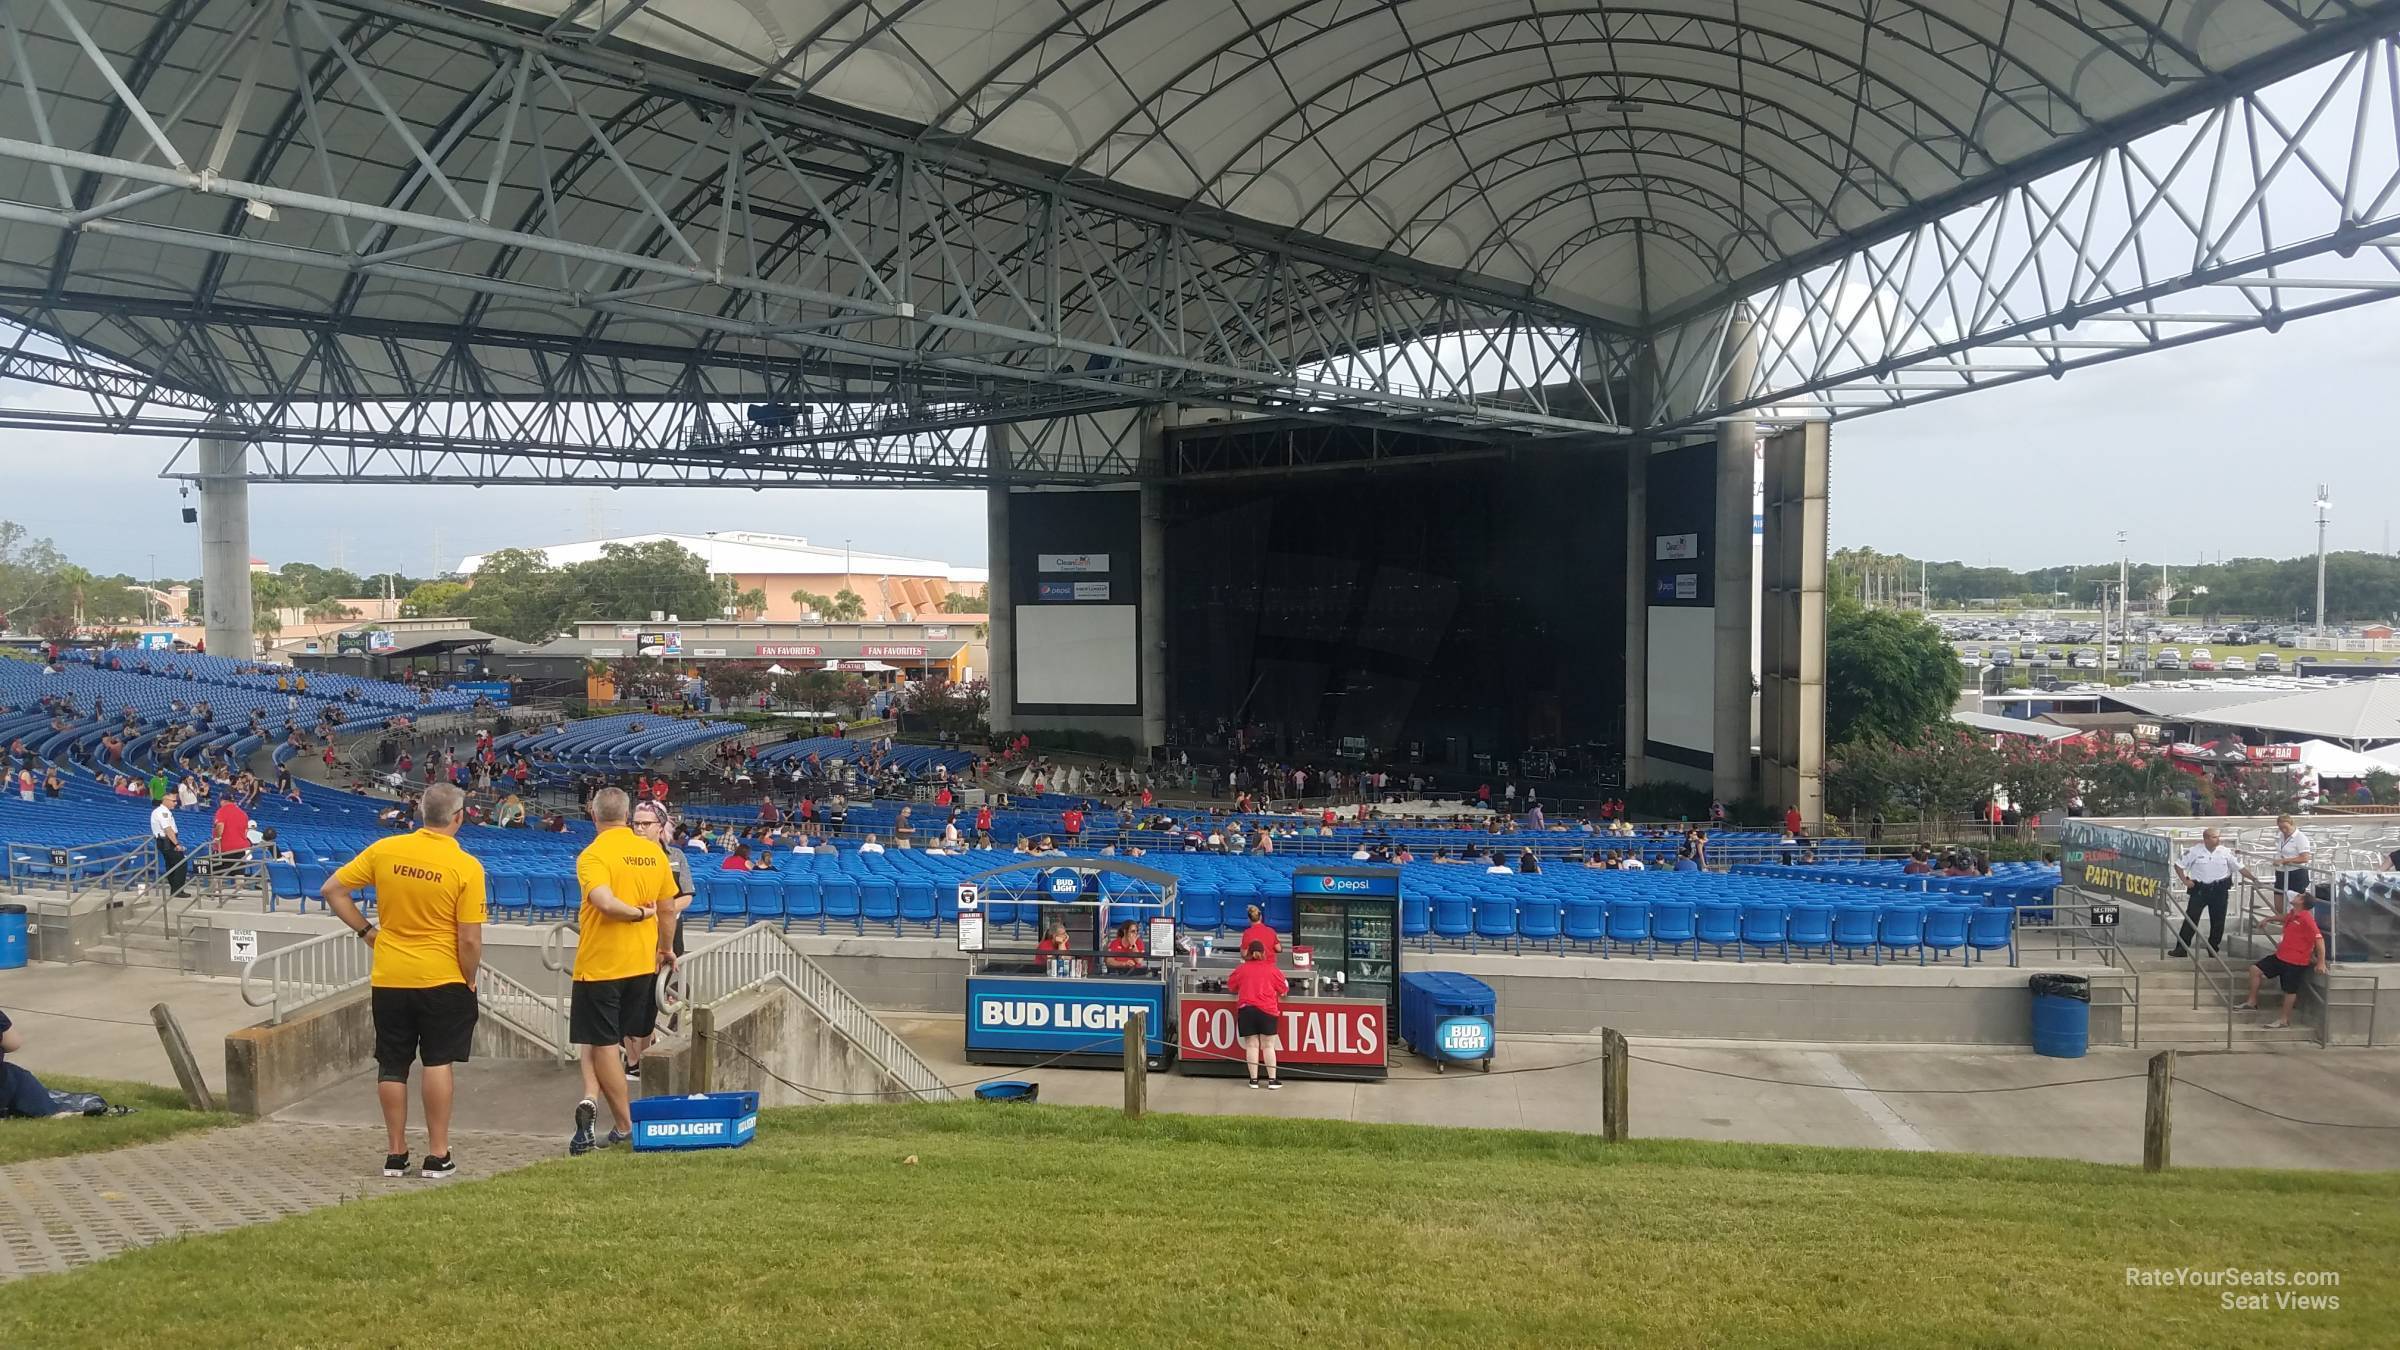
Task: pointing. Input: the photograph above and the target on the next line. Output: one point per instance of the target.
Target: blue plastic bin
(2062, 1015)
(702, 1120)
(1449, 1018)
(12, 937)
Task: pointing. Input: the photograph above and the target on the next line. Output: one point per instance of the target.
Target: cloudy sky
(2212, 449)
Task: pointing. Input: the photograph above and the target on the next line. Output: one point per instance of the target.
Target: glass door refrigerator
(1354, 937)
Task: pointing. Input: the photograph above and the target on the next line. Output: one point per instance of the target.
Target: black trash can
(2062, 1015)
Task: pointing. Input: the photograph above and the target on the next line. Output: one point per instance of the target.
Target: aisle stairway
(2170, 1021)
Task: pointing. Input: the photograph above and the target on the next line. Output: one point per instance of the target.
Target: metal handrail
(539, 1017)
(2373, 987)
(761, 955)
(554, 946)
(305, 973)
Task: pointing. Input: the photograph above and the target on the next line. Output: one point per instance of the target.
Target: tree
(941, 705)
(846, 606)
(852, 695)
(733, 682)
(2038, 778)
(330, 610)
(1861, 777)
(1887, 674)
(1946, 774)
(435, 599)
(31, 587)
(518, 594)
(747, 604)
(646, 677)
(630, 581)
(960, 602)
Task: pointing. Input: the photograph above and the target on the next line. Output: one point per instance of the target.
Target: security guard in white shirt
(2207, 869)
(2292, 855)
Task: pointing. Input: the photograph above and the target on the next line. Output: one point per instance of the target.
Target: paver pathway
(59, 1213)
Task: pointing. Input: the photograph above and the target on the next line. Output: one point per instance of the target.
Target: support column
(226, 623)
(999, 600)
(1637, 611)
(1792, 638)
(1154, 616)
(1729, 778)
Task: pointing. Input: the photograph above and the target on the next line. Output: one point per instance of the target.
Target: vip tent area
(1031, 1000)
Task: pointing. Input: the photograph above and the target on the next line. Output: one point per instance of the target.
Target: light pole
(2324, 513)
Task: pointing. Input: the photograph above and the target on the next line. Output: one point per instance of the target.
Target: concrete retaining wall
(773, 1028)
(268, 1068)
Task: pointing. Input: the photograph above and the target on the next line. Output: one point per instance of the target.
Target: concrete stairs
(2170, 1021)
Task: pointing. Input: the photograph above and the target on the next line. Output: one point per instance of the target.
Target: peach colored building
(896, 589)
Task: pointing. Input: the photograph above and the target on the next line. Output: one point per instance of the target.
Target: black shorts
(1248, 1021)
(2292, 880)
(2294, 976)
(604, 1012)
(435, 1026)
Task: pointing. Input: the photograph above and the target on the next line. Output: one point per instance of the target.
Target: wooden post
(2157, 1120)
(1137, 1064)
(704, 1050)
(1616, 1062)
(179, 1054)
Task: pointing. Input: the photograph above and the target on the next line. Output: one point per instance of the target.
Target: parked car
(2084, 658)
(2002, 656)
(2269, 663)
(2169, 659)
(2203, 663)
(2235, 664)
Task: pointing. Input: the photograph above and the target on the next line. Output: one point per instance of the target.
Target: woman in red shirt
(1259, 934)
(1125, 950)
(1258, 990)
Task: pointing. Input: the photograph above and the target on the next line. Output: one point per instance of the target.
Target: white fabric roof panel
(1520, 141)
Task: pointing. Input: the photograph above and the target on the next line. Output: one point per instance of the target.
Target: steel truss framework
(883, 295)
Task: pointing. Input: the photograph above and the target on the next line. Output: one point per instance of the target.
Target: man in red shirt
(983, 826)
(1070, 822)
(2301, 950)
(231, 836)
(1792, 821)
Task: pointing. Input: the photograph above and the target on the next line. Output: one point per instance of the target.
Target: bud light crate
(704, 1120)
(1449, 1018)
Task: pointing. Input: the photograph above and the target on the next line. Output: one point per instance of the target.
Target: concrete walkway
(1846, 1096)
(59, 1213)
(93, 1020)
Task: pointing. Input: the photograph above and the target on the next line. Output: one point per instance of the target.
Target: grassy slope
(1042, 1226)
(162, 1113)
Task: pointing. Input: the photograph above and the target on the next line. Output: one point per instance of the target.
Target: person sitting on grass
(22, 1095)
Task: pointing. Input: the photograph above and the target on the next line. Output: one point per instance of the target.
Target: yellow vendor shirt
(636, 872)
(425, 887)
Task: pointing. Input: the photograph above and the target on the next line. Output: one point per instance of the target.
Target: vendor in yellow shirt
(429, 892)
(624, 879)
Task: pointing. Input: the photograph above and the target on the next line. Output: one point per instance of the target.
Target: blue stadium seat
(1812, 927)
(1902, 929)
(917, 903)
(803, 899)
(1990, 929)
(842, 902)
(1766, 924)
(1673, 923)
(1627, 924)
(1854, 929)
(283, 883)
(554, 897)
(1416, 915)
(1538, 922)
(1453, 917)
(1277, 902)
(1721, 925)
(508, 892)
(1946, 929)
(762, 896)
(1199, 906)
(1582, 923)
(879, 901)
(1495, 918)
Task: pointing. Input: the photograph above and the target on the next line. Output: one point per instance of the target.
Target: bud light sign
(704, 1120)
(1463, 1038)
(1064, 884)
(1053, 1017)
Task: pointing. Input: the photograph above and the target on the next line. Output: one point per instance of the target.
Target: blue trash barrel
(2062, 1015)
(12, 937)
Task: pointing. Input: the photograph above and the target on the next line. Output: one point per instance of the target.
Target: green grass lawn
(162, 1113)
(1039, 1226)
